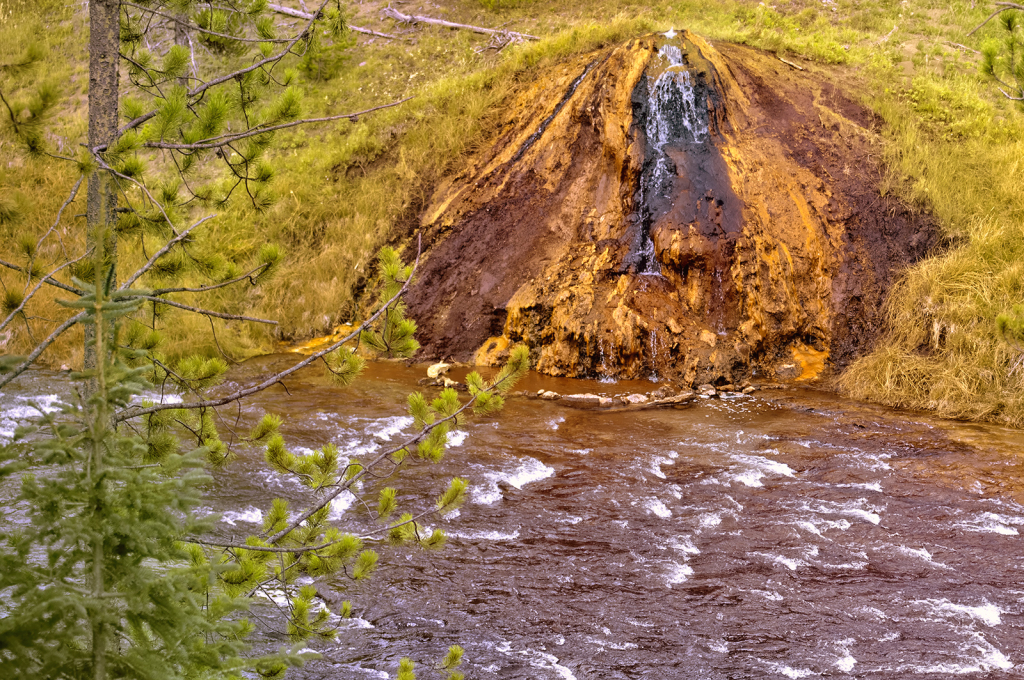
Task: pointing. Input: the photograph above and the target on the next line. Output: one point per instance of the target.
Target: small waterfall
(673, 115)
(602, 367)
(653, 339)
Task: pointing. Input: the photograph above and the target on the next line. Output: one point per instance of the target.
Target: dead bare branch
(160, 253)
(204, 312)
(1003, 7)
(393, 13)
(39, 285)
(306, 15)
(49, 280)
(40, 348)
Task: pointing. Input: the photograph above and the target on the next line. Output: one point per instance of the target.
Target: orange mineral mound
(671, 208)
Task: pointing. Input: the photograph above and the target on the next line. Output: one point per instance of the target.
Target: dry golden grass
(952, 147)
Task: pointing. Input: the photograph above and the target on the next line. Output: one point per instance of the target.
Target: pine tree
(1002, 58)
(113, 576)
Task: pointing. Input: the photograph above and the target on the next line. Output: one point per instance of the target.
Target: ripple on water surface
(790, 535)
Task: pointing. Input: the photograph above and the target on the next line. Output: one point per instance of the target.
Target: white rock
(438, 370)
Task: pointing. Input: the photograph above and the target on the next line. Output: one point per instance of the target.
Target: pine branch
(40, 348)
(272, 59)
(1004, 7)
(415, 439)
(49, 280)
(204, 312)
(199, 29)
(273, 380)
(160, 253)
(10, 111)
(74, 194)
(212, 143)
(202, 289)
(39, 285)
(103, 164)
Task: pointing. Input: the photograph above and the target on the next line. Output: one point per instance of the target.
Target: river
(787, 534)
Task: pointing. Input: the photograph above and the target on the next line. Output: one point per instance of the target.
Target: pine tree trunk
(104, 41)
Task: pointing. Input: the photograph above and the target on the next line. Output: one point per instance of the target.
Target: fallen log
(280, 9)
(420, 19)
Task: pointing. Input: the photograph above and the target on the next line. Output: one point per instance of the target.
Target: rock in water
(668, 208)
(437, 370)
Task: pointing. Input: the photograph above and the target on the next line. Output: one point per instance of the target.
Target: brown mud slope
(668, 208)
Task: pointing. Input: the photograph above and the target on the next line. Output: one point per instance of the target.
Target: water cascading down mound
(668, 209)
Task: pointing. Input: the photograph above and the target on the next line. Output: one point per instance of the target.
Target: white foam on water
(710, 520)
(758, 468)
(275, 595)
(485, 535)
(787, 562)
(657, 464)
(870, 486)
(992, 523)
(846, 663)
(789, 671)
(344, 501)
(809, 527)
(355, 623)
(569, 519)
(748, 478)
(611, 645)
(860, 507)
(873, 612)
(987, 613)
(720, 646)
(677, 573)
(685, 546)
(537, 659)
(12, 417)
(769, 595)
(843, 565)
(251, 515)
(921, 553)
(528, 471)
(554, 423)
(457, 438)
(389, 427)
(841, 524)
(821, 526)
(655, 506)
(990, 659)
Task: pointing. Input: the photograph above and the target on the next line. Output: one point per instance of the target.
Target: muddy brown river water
(789, 534)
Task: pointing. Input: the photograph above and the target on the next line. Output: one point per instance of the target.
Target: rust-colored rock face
(669, 209)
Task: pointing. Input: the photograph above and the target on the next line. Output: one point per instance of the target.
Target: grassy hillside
(952, 146)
